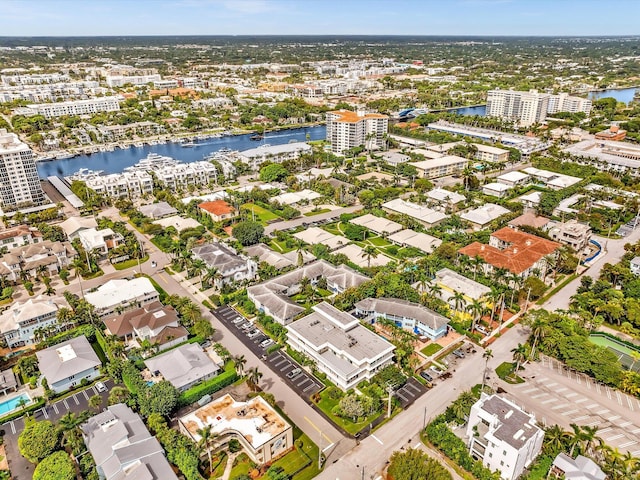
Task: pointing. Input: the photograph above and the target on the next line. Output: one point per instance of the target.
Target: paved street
(614, 252)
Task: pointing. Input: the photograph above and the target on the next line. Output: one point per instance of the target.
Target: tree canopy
(37, 441)
(57, 466)
(248, 232)
(273, 173)
(414, 464)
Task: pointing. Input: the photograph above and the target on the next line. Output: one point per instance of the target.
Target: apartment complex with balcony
(76, 107)
(132, 184)
(347, 129)
(19, 181)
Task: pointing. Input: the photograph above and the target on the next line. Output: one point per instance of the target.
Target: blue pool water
(150, 384)
(9, 405)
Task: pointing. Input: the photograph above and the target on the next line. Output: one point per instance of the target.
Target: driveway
(20, 467)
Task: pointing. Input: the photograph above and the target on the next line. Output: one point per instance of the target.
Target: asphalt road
(614, 252)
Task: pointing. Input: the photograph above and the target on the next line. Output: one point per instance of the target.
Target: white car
(101, 387)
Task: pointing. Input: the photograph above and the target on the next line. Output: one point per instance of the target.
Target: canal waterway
(119, 159)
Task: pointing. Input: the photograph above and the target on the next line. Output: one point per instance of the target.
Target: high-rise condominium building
(563, 102)
(347, 129)
(19, 181)
(526, 108)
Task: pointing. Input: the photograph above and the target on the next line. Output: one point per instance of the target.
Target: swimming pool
(10, 405)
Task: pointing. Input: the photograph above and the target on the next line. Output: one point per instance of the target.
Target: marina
(118, 159)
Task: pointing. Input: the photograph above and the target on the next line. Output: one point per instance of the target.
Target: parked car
(482, 330)
(294, 372)
(253, 333)
(426, 376)
(458, 353)
(101, 387)
(434, 371)
(237, 320)
(266, 343)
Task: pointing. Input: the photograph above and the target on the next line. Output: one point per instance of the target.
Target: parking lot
(410, 392)
(286, 368)
(20, 467)
(302, 383)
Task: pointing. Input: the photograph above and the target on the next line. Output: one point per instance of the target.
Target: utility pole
(526, 305)
(320, 452)
(424, 419)
(390, 392)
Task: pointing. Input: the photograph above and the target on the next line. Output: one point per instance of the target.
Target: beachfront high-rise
(19, 181)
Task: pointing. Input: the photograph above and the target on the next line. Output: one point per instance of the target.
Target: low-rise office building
(340, 346)
(123, 448)
(503, 436)
(412, 316)
(260, 429)
(66, 364)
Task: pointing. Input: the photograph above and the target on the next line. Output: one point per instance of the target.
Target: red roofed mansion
(520, 253)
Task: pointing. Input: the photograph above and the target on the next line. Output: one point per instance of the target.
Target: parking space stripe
(581, 400)
(549, 400)
(13, 427)
(570, 412)
(583, 417)
(44, 412)
(593, 424)
(84, 392)
(558, 407)
(544, 394)
(75, 399)
(571, 395)
(624, 424)
(614, 418)
(65, 403)
(604, 430)
(628, 444)
(55, 408)
(615, 437)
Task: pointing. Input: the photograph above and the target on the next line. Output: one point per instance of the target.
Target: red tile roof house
(218, 210)
(520, 253)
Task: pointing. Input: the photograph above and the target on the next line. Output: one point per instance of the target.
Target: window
(501, 463)
(504, 453)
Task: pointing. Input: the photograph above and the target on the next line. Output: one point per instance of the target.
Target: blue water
(620, 94)
(116, 161)
(9, 405)
(480, 110)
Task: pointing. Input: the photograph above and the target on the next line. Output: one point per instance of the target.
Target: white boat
(64, 155)
(153, 161)
(139, 144)
(190, 144)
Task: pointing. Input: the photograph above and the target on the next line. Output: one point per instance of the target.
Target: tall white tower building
(526, 108)
(19, 181)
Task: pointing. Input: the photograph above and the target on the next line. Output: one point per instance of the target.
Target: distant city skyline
(319, 17)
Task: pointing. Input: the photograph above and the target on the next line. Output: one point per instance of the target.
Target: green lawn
(262, 214)
(298, 458)
(130, 263)
(327, 404)
(506, 372)
(242, 465)
(379, 241)
(431, 349)
(280, 246)
(219, 465)
(332, 228)
(317, 212)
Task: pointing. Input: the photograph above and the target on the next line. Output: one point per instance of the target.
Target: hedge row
(208, 387)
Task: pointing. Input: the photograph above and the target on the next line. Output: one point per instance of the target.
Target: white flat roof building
(496, 189)
(440, 167)
(454, 282)
(293, 198)
(419, 240)
(122, 294)
(341, 347)
(77, 107)
(316, 235)
(513, 178)
(503, 436)
(445, 196)
(484, 215)
(261, 430)
(425, 215)
(356, 255)
(122, 185)
(379, 225)
(553, 180)
(274, 153)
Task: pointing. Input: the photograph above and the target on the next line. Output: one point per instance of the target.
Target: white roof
(459, 283)
(513, 176)
(24, 311)
(419, 240)
(489, 149)
(439, 162)
(531, 197)
(291, 198)
(118, 291)
(72, 224)
(355, 255)
(427, 153)
(419, 212)
(316, 235)
(266, 150)
(443, 195)
(92, 238)
(377, 224)
(484, 214)
(220, 195)
(178, 222)
(497, 187)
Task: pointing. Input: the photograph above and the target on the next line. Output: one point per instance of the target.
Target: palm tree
(253, 377)
(196, 268)
(519, 356)
(206, 439)
(555, 440)
(95, 401)
(538, 330)
(458, 301)
(477, 262)
(191, 313)
(369, 252)
(239, 362)
(487, 355)
(435, 290)
(118, 395)
(476, 308)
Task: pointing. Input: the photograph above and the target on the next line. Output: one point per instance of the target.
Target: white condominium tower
(563, 102)
(347, 129)
(19, 181)
(526, 108)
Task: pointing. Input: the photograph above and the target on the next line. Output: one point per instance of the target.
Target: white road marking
(571, 412)
(624, 424)
(581, 400)
(593, 424)
(614, 418)
(55, 408)
(377, 439)
(540, 395)
(558, 407)
(571, 395)
(583, 417)
(615, 437)
(549, 400)
(13, 427)
(604, 430)
(628, 444)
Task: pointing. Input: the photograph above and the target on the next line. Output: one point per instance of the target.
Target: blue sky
(339, 17)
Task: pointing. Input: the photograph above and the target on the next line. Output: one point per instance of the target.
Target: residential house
(158, 210)
(123, 448)
(408, 315)
(231, 266)
(379, 225)
(419, 240)
(263, 433)
(451, 282)
(503, 436)
(519, 253)
(294, 198)
(529, 219)
(318, 236)
(445, 198)
(634, 265)
(100, 241)
(184, 366)
(73, 225)
(120, 295)
(276, 259)
(156, 323)
(30, 259)
(582, 468)
(218, 210)
(572, 233)
(513, 179)
(495, 189)
(482, 216)
(441, 167)
(341, 348)
(272, 297)
(18, 236)
(21, 320)
(66, 364)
